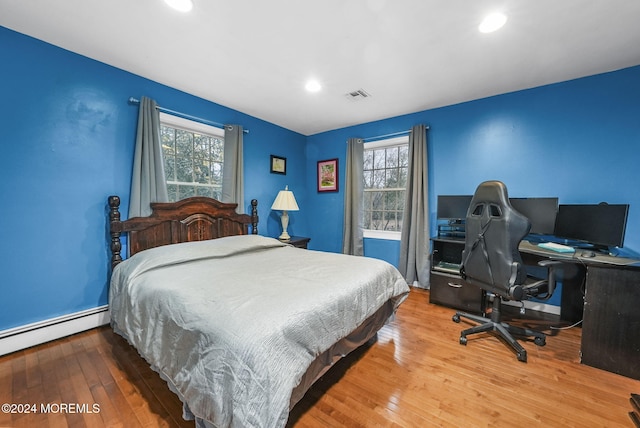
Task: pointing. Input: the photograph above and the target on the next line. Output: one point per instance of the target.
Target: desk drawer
(452, 291)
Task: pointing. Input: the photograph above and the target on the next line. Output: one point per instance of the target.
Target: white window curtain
(352, 239)
(148, 183)
(414, 239)
(233, 170)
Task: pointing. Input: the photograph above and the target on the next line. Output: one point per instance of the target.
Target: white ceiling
(410, 55)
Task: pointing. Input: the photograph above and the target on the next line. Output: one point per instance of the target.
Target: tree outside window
(193, 158)
(385, 179)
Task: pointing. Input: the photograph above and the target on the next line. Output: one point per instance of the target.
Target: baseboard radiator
(29, 335)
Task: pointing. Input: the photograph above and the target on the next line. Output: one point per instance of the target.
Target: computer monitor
(453, 207)
(602, 225)
(541, 212)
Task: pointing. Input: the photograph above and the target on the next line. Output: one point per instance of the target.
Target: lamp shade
(285, 201)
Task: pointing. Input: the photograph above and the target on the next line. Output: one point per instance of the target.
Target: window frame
(378, 144)
(189, 125)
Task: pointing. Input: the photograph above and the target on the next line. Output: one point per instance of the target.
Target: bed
(239, 325)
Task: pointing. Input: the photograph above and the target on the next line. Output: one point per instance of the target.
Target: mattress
(239, 327)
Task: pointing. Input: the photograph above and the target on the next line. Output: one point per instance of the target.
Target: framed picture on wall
(278, 165)
(328, 175)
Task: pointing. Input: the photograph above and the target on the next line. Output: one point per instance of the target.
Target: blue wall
(577, 140)
(68, 138)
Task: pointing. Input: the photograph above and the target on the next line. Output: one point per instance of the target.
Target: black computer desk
(574, 273)
(604, 292)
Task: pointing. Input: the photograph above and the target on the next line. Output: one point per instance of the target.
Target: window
(193, 157)
(385, 180)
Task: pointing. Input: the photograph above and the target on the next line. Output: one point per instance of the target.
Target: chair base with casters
(503, 330)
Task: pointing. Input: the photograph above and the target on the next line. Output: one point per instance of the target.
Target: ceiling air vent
(360, 94)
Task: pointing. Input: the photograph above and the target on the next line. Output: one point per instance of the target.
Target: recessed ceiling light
(180, 5)
(492, 22)
(313, 86)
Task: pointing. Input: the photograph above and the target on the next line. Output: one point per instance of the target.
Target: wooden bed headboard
(193, 219)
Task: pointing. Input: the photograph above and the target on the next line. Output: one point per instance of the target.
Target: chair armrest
(551, 265)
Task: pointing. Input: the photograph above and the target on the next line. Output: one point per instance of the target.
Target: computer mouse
(587, 254)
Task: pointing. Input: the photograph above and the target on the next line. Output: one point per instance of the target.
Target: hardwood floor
(415, 375)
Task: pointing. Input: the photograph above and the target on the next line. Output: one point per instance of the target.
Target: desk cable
(582, 289)
(577, 323)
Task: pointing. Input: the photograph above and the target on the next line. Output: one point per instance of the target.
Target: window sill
(381, 234)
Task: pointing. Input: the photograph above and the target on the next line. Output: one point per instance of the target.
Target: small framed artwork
(278, 165)
(328, 175)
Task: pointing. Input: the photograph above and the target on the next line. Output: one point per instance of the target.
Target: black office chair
(491, 261)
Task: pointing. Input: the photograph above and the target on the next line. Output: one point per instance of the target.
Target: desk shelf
(446, 286)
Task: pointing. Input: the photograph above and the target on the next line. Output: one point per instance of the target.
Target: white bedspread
(233, 323)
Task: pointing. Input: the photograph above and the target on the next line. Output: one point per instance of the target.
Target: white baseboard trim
(22, 337)
(534, 306)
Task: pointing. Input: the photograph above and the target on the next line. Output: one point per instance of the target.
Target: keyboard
(447, 267)
(558, 248)
(450, 266)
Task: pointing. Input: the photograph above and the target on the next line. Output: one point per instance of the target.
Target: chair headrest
(492, 192)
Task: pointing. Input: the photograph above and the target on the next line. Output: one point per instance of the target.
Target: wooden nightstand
(299, 241)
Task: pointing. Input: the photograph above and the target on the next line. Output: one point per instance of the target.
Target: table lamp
(285, 201)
